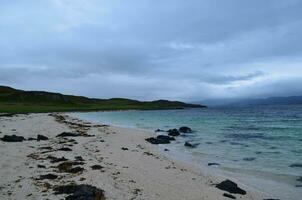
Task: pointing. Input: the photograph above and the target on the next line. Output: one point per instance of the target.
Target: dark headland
(20, 101)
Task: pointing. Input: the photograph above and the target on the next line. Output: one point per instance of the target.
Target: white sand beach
(127, 166)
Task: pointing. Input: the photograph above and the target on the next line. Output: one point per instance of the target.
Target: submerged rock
(188, 144)
(159, 130)
(296, 165)
(164, 137)
(41, 137)
(80, 192)
(230, 187)
(185, 129)
(249, 159)
(173, 132)
(12, 138)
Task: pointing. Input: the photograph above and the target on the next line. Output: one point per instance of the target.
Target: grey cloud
(151, 49)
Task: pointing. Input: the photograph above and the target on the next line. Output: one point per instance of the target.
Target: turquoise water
(263, 138)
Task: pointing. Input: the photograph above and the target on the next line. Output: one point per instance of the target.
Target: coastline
(131, 167)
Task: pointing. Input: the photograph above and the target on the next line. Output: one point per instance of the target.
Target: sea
(260, 141)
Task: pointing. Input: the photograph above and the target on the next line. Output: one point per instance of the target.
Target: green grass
(18, 101)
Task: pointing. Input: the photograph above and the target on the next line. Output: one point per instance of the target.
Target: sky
(153, 49)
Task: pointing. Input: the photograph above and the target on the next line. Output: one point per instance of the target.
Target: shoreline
(131, 167)
(260, 181)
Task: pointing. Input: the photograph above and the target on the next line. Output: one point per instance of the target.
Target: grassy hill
(19, 101)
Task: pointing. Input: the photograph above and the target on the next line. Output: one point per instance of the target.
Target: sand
(131, 167)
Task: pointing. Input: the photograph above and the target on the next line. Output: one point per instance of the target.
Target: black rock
(159, 130)
(188, 144)
(213, 164)
(75, 170)
(41, 137)
(80, 192)
(65, 149)
(96, 167)
(55, 159)
(166, 150)
(48, 176)
(30, 139)
(229, 196)
(164, 137)
(67, 167)
(79, 158)
(185, 129)
(12, 138)
(271, 199)
(298, 186)
(41, 166)
(125, 149)
(153, 140)
(230, 187)
(68, 134)
(173, 132)
(296, 165)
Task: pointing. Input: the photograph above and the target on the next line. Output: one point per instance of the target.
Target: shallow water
(261, 139)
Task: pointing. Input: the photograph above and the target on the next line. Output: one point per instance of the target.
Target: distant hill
(293, 100)
(19, 101)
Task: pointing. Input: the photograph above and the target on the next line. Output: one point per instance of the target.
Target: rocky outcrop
(12, 138)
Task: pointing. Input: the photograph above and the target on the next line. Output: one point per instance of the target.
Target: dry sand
(132, 168)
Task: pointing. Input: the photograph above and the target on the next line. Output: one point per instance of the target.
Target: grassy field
(19, 101)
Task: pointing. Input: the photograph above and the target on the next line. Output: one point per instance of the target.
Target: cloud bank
(143, 49)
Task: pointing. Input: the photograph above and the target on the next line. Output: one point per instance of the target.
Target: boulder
(185, 129)
(230, 187)
(12, 138)
(80, 192)
(153, 140)
(173, 132)
(41, 137)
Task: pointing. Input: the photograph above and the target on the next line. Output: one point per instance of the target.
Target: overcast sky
(150, 49)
